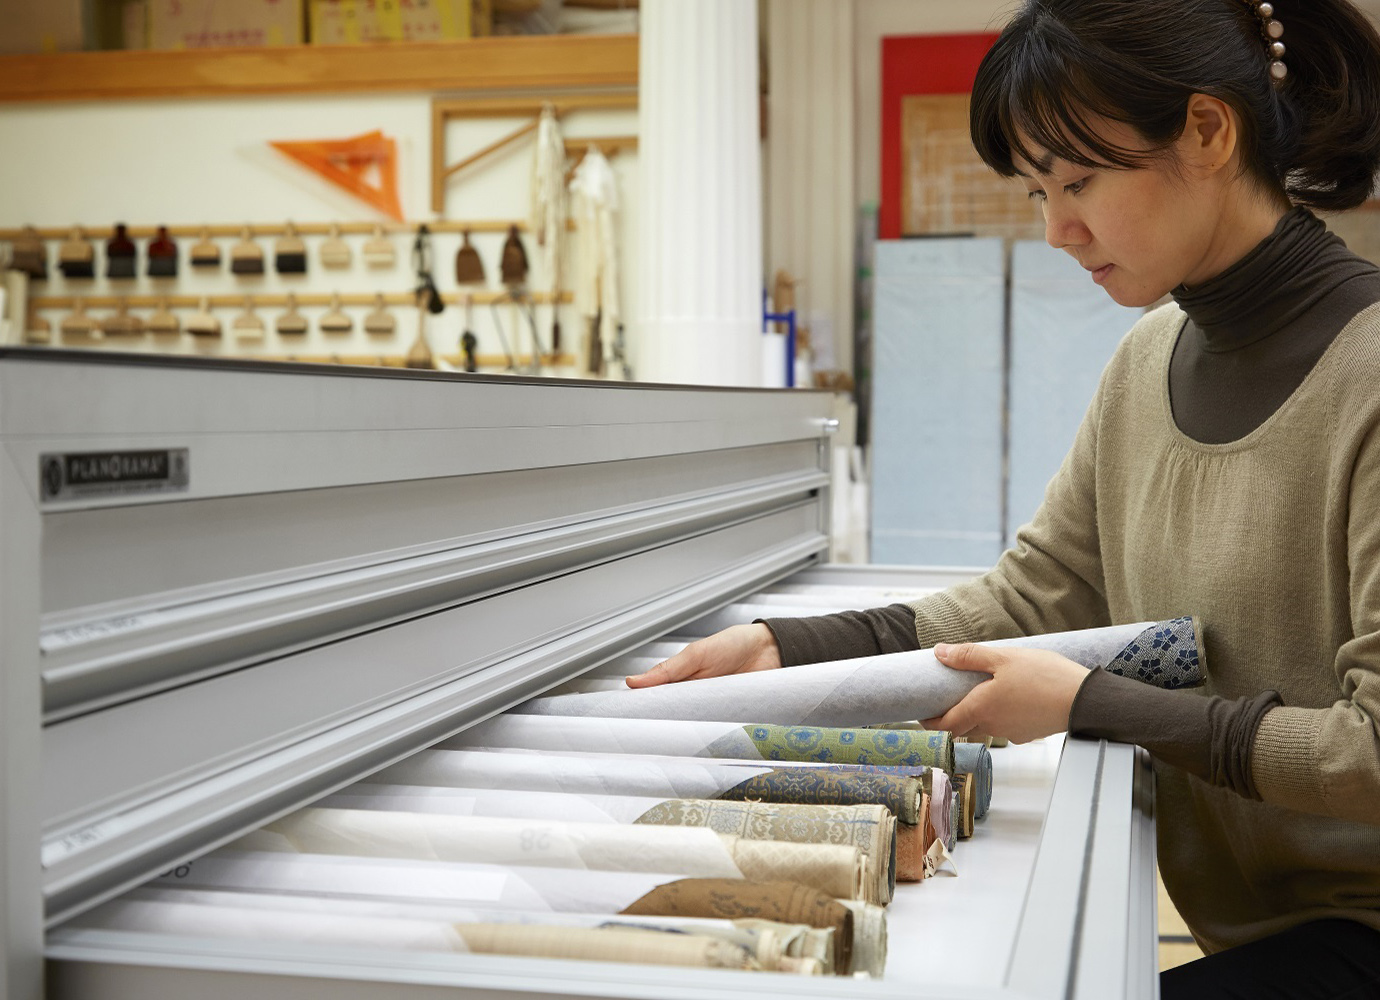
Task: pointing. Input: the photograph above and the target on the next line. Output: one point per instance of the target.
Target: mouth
(1099, 274)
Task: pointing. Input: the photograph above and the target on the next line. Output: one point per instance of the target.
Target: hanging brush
(290, 253)
(77, 323)
(291, 322)
(162, 255)
(202, 323)
(76, 256)
(120, 254)
(246, 256)
(30, 254)
(469, 268)
(379, 250)
(513, 265)
(247, 325)
(121, 323)
(336, 319)
(380, 321)
(163, 320)
(335, 252)
(204, 253)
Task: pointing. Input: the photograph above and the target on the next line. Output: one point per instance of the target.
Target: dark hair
(1061, 64)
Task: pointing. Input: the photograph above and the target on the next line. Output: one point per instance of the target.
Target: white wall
(201, 161)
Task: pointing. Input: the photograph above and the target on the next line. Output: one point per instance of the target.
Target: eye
(1036, 195)
(1075, 187)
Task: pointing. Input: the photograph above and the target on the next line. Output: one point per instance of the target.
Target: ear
(1210, 133)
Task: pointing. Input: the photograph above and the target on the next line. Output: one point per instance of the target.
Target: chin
(1135, 298)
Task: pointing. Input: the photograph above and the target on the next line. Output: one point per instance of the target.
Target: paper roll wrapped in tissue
(876, 689)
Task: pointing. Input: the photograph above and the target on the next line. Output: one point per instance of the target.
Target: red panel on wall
(918, 64)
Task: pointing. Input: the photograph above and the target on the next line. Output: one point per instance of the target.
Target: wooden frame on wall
(445, 109)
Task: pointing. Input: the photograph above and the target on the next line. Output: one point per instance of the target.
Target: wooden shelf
(511, 63)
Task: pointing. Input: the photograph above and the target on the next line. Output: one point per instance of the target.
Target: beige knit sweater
(1273, 541)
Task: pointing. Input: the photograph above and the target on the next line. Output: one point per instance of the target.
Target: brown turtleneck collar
(1257, 329)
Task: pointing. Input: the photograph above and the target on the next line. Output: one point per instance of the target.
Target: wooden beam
(533, 62)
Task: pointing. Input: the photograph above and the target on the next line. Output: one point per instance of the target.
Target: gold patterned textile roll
(870, 828)
(786, 902)
(966, 786)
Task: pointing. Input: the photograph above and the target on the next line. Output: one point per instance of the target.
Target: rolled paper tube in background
(768, 941)
(611, 944)
(719, 740)
(976, 759)
(785, 902)
(870, 828)
(877, 688)
(838, 870)
(955, 819)
(664, 778)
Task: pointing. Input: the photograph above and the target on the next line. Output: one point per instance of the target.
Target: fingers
(659, 674)
(970, 656)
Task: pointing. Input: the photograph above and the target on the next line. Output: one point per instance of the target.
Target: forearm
(845, 635)
(1211, 738)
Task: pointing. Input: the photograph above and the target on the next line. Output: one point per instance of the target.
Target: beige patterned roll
(836, 869)
(872, 829)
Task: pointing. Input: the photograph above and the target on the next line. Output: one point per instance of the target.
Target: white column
(700, 194)
(811, 209)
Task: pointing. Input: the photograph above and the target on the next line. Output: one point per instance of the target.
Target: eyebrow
(1042, 165)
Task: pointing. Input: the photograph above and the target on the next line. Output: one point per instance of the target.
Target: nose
(1063, 228)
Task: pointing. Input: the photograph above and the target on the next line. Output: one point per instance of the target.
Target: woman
(1228, 467)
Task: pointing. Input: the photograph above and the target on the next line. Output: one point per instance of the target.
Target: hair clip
(1271, 31)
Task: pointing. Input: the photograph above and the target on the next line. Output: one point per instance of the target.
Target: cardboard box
(222, 24)
(357, 22)
(51, 26)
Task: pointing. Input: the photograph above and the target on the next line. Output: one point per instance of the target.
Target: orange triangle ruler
(347, 162)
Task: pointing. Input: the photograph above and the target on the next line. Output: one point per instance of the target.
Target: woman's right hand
(735, 650)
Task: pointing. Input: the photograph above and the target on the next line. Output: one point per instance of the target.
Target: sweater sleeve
(1209, 737)
(1327, 760)
(1051, 579)
(844, 635)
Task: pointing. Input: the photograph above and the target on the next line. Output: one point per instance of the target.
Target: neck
(1245, 219)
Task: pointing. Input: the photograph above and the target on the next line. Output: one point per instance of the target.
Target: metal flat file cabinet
(229, 589)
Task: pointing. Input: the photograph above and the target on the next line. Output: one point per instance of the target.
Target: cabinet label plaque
(80, 475)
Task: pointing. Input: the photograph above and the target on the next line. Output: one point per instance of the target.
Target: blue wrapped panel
(937, 368)
(1064, 330)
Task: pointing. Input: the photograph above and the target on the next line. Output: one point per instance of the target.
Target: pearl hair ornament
(1271, 31)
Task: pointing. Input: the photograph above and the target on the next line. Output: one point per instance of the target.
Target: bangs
(1031, 101)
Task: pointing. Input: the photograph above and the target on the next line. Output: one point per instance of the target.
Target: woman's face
(1139, 232)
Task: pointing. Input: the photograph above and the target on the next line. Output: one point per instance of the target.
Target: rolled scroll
(875, 689)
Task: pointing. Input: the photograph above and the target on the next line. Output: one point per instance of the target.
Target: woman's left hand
(1029, 695)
